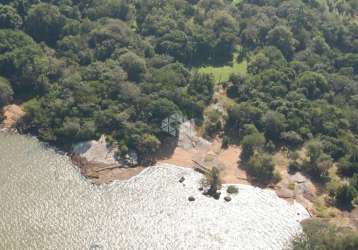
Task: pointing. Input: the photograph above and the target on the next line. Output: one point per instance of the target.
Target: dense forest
(82, 68)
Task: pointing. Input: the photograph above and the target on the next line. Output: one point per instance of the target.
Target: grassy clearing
(222, 74)
(236, 2)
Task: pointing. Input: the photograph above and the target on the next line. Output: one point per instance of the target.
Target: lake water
(46, 204)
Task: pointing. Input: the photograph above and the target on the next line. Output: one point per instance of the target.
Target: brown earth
(101, 173)
(227, 160)
(11, 114)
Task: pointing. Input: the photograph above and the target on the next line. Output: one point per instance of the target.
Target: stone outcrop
(97, 160)
(227, 198)
(191, 198)
(96, 151)
(188, 138)
(100, 173)
(101, 152)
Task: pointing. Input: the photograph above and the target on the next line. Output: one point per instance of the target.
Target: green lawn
(222, 74)
(236, 1)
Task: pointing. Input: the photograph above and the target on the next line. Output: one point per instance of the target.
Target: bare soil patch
(227, 160)
(102, 173)
(11, 114)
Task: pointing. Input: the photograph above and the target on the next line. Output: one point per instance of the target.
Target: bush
(232, 189)
(291, 138)
(213, 123)
(321, 235)
(6, 92)
(294, 167)
(348, 165)
(345, 196)
(225, 142)
(9, 18)
(212, 181)
(270, 147)
(261, 166)
(250, 143)
(319, 163)
(134, 65)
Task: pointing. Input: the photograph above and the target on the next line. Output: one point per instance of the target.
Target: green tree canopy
(44, 23)
(9, 18)
(6, 92)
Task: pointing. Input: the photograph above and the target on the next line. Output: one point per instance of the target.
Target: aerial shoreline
(100, 173)
(156, 193)
(106, 104)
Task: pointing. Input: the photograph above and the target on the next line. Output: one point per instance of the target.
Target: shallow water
(46, 204)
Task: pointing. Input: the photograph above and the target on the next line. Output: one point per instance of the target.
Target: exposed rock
(101, 152)
(100, 173)
(227, 198)
(91, 169)
(285, 193)
(182, 179)
(298, 177)
(188, 138)
(191, 198)
(97, 161)
(200, 188)
(217, 195)
(96, 151)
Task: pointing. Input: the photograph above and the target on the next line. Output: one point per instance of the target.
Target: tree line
(119, 67)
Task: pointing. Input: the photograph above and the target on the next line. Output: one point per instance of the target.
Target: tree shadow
(215, 61)
(167, 148)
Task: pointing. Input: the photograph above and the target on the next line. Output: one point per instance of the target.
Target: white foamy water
(46, 204)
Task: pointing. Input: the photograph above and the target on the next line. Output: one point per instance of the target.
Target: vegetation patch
(232, 189)
(223, 73)
(319, 234)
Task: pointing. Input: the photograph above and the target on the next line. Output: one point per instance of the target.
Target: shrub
(321, 235)
(213, 124)
(294, 167)
(6, 92)
(261, 167)
(212, 181)
(291, 138)
(345, 195)
(232, 189)
(319, 163)
(250, 143)
(225, 142)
